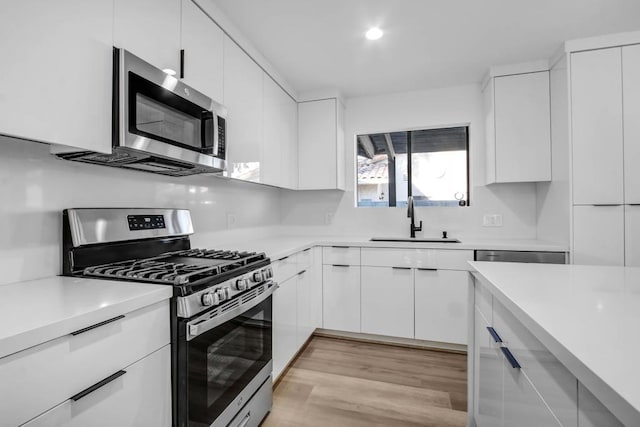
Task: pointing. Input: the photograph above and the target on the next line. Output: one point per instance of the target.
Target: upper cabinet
(518, 126)
(631, 98)
(149, 29)
(280, 136)
(202, 45)
(243, 98)
(596, 116)
(321, 145)
(57, 88)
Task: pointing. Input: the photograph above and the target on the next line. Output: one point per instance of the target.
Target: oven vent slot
(228, 306)
(252, 294)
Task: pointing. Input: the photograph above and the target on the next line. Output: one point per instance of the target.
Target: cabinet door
(598, 235)
(341, 298)
(487, 373)
(243, 99)
(140, 397)
(279, 162)
(591, 412)
(632, 236)
(523, 128)
(304, 310)
(441, 298)
(202, 42)
(57, 76)
(387, 301)
(285, 329)
(631, 97)
(149, 29)
(317, 139)
(596, 114)
(316, 288)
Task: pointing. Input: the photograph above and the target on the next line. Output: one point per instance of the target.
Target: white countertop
(587, 316)
(37, 311)
(283, 245)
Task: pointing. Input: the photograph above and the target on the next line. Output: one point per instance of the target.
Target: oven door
(225, 358)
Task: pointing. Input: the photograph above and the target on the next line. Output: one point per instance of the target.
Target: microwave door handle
(215, 134)
(199, 326)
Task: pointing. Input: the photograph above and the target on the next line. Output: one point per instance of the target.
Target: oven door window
(158, 113)
(223, 360)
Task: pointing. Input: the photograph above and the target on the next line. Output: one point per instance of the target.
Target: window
(436, 175)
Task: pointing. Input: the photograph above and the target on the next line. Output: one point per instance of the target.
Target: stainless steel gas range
(221, 312)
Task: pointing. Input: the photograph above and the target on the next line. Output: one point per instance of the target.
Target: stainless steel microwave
(160, 125)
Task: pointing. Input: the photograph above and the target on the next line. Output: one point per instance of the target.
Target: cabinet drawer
(305, 259)
(285, 268)
(556, 385)
(483, 301)
(417, 258)
(342, 255)
(37, 379)
(140, 397)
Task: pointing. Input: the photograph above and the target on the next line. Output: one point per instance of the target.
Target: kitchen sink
(415, 239)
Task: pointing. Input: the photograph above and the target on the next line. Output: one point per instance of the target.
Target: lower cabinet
(341, 297)
(441, 305)
(487, 376)
(387, 301)
(285, 313)
(305, 324)
(141, 396)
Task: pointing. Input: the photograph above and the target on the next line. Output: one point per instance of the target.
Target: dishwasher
(521, 256)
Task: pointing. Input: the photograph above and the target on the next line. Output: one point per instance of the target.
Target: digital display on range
(145, 222)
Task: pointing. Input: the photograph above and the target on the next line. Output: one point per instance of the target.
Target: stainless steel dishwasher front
(522, 256)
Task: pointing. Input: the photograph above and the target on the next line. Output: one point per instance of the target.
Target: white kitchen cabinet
(202, 42)
(591, 412)
(57, 76)
(140, 397)
(631, 98)
(149, 29)
(387, 301)
(305, 319)
(520, 132)
(598, 235)
(488, 372)
(341, 255)
(316, 287)
(341, 297)
(441, 299)
(285, 324)
(243, 80)
(320, 145)
(632, 235)
(597, 126)
(280, 135)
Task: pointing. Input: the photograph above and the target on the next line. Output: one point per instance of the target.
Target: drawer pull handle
(512, 360)
(428, 269)
(340, 265)
(340, 247)
(97, 385)
(494, 334)
(246, 419)
(302, 272)
(283, 258)
(401, 268)
(307, 250)
(97, 325)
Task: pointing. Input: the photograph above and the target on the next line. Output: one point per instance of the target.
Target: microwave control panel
(145, 222)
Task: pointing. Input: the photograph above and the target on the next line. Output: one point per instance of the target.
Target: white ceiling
(320, 44)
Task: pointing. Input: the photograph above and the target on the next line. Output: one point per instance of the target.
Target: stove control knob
(241, 284)
(221, 294)
(227, 293)
(209, 299)
(257, 276)
(268, 273)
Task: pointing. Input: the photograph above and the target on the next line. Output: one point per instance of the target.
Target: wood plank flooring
(341, 383)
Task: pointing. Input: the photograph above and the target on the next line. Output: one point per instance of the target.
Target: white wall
(35, 187)
(307, 210)
(553, 197)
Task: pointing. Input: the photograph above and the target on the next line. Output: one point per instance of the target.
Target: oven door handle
(201, 325)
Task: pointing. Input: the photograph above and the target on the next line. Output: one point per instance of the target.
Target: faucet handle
(419, 227)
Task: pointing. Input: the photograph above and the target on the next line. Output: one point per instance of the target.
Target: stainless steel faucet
(411, 214)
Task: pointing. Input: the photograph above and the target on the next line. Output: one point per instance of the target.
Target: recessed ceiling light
(374, 33)
(170, 71)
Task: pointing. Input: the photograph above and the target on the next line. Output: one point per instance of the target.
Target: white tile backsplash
(35, 187)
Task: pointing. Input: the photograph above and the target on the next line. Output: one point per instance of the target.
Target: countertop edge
(609, 397)
(40, 335)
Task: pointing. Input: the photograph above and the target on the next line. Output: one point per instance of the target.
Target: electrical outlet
(492, 220)
(231, 219)
(328, 218)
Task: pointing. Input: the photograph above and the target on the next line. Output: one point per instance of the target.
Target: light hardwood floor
(341, 383)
